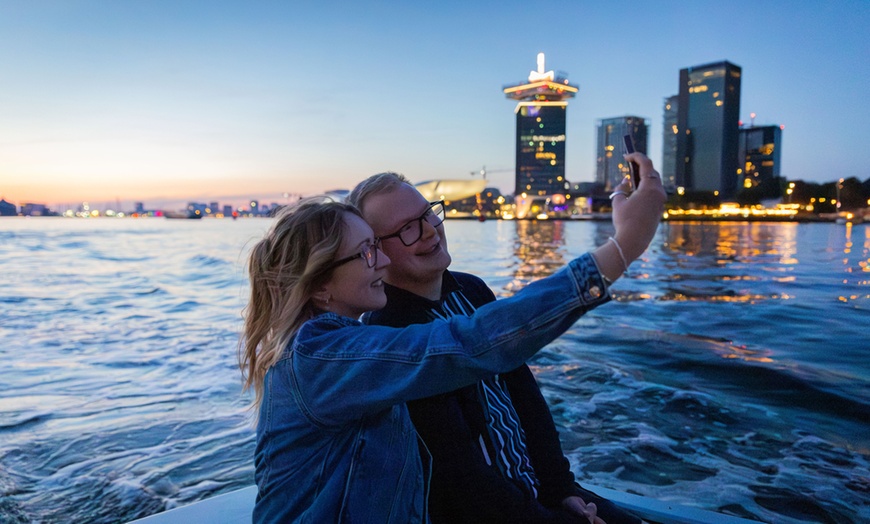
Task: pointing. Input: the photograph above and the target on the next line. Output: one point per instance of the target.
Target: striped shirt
(504, 444)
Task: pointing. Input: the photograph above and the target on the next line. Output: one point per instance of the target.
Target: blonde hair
(286, 268)
(374, 185)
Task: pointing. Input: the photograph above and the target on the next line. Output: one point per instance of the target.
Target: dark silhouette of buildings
(7, 209)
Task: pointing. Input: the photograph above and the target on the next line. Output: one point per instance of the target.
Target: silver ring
(620, 192)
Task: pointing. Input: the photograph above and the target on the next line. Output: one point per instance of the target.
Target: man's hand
(577, 505)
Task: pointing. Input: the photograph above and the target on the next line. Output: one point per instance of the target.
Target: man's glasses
(412, 231)
(369, 253)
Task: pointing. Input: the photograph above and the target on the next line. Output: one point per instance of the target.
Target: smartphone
(632, 166)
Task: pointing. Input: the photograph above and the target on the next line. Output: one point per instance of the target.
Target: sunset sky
(164, 101)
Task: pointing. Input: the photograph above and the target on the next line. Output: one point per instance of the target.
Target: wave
(207, 261)
(23, 419)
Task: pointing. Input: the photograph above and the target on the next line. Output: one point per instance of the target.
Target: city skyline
(167, 102)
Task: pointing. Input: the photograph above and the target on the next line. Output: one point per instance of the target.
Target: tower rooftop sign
(543, 86)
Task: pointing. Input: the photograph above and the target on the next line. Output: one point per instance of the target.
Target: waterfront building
(196, 209)
(610, 166)
(541, 109)
(228, 210)
(759, 149)
(486, 203)
(7, 209)
(708, 115)
(35, 210)
(669, 143)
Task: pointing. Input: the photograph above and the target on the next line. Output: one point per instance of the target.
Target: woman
(334, 439)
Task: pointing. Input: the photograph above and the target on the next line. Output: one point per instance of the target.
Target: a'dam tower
(542, 103)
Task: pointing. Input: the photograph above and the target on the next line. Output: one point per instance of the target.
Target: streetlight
(839, 183)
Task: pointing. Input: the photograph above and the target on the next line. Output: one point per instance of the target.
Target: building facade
(7, 209)
(610, 166)
(708, 116)
(541, 110)
(759, 150)
(35, 210)
(669, 142)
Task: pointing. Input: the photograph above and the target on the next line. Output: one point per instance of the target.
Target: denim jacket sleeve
(342, 370)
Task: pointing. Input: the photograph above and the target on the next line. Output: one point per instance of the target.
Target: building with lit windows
(541, 108)
(610, 166)
(759, 150)
(708, 116)
(669, 143)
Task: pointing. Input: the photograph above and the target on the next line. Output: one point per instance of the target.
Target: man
(495, 451)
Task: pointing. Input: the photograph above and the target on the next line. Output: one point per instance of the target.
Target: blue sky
(174, 100)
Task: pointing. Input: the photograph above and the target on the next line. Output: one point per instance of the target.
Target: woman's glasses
(369, 253)
(412, 231)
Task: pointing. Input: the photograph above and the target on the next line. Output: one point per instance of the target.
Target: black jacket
(465, 488)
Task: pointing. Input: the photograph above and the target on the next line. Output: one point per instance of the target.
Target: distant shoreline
(801, 219)
(595, 218)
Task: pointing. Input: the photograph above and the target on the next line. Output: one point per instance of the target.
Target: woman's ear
(322, 296)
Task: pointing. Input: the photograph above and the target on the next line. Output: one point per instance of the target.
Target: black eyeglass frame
(429, 211)
(368, 253)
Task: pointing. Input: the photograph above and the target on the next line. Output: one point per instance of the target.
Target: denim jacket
(335, 442)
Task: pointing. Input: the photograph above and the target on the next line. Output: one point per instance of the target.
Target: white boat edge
(236, 507)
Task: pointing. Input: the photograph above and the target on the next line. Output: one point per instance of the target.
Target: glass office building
(541, 109)
(759, 151)
(708, 122)
(669, 143)
(610, 166)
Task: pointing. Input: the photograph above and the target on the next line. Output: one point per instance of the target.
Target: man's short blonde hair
(374, 185)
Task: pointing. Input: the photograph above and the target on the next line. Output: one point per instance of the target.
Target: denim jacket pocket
(384, 451)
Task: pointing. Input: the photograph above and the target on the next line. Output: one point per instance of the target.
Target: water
(730, 373)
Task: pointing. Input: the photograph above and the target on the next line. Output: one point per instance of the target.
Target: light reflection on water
(730, 371)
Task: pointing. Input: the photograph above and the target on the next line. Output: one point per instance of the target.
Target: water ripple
(730, 371)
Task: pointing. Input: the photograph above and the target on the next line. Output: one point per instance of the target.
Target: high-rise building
(669, 142)
(611, 167)
(708, 116)
(542, 103)
(759, 150)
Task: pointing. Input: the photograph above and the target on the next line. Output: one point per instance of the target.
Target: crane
(483, 171)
